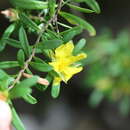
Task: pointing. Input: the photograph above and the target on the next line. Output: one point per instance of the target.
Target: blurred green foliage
(108, 72)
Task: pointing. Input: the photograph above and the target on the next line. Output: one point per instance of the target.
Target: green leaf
(125, 106)
(30, 4)
(64, 25)
(28, 22)
(55, 90)
(44, 87)
(5, 35)
(47, 53)
(52, 35)
(78, 21)
(92, 4)
(38, 60)
(29, 71)
(17, 123)
(80, 9)
(51, 5)
(28, 98)
(8, 64)
(37, 50)
(20, 92)
(79, 46)
(95, 98)
(24, 41)
(21, 57)
(43, 67)
(5, 80)
(27, 82)
(13, 42)
(3, 74)
(50, 44)
(71, 33)
(54, 73)
(23, 88)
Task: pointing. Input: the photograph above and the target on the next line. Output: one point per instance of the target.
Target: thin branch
(37, 41)
(42, 81)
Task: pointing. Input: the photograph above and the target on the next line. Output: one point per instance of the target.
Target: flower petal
(70, 71)
(64, 60)
(79, 57)
(64, 50)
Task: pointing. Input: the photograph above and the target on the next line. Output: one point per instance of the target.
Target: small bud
(5, 115)
(11, 14)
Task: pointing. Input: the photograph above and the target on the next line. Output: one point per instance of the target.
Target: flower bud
(11, 14)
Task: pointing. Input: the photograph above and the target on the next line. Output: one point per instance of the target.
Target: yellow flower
(63, 62)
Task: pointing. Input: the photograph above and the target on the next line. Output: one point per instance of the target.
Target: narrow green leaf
(92, 4)
(52, 35)
(78, 21)
(3, 74)
(24, 41)
(71, 33)
(2, 45)
(125, 106)
(38, 51)
(79, 46)
(30, 4)
(21, 57)
(50, 44)
(95, 98)
(80, 9)
(28, 22)
(47, 53)
(19, 92)
(5, 35)
(28, 98)
(9, 30)
(28, 82)
(43, 67)
(64, 25)
(54, 73)
(29, 71)
(5, 80)
(13, 42)
(23, 88)
(55, 90)
(8, 64)
(51, 5)
(17, 123)
(44, 87)
(38, 60)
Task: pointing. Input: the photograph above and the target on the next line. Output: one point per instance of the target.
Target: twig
(57, 11)
(37, 41)
(42, 81)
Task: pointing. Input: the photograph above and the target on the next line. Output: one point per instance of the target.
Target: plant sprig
(62, 58)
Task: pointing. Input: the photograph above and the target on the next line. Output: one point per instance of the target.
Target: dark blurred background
(71, 110)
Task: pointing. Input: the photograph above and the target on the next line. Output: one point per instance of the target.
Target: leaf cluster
(110, 69)
(41, 19)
